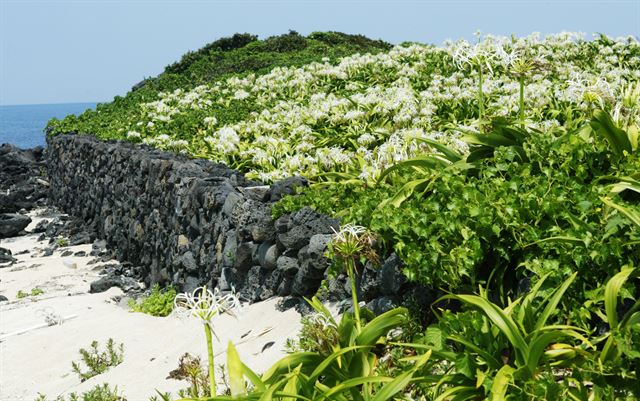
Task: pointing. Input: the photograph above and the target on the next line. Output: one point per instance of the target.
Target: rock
(314, 254)
(48, 251)
(230, 203)
(272, 281)
(12, 224)
(190, 284)
(390, 277)
(284, 288)
(282, 224)
(20, 184)
(368, 285)
(188, 262)
(287, 186)
(66, 253)
(80, 238)
(40, 227)
(338, 288)
(267, 255)
(381, 305)
(287, 303)
(260, 193)
(80, 253)
(126, 284)
(304, 224)
(3, 298)
(98, 247)
(306, 281)
(244, 256)
(226, 280)
(288, 266)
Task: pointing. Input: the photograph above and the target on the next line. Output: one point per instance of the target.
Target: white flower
(133, 135)
(204, 304)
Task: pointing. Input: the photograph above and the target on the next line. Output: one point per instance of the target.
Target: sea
(23, 125)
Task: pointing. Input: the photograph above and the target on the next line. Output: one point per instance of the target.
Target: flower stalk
(212, 373)
(204, 305)
(349, 244)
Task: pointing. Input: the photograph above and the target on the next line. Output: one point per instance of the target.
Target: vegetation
(504, 173)
(159, 302)
(34, 293)
(96, 361)
(101, 392)
(227, 58)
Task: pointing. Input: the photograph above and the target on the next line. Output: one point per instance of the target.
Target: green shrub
(101, 392)
(96, 361)
(159, 302)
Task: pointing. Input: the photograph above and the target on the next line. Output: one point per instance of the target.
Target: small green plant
(34, 292)
(349, 245)
(62, 241)
(158, 303)
(190, 369)
(101, 392)
(97, 361)
(204, 305)
(318, 334)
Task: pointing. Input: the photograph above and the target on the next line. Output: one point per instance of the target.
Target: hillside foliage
(507, 168)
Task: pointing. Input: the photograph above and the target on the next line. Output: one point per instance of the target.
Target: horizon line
(50, 104)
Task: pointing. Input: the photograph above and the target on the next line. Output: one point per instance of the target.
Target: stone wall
(189, 222)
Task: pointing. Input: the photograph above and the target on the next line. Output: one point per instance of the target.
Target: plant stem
(480, 94)
(212, 378)
(354, 293)
(521, 111)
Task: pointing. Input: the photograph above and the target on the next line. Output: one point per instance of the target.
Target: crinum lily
(204, 305)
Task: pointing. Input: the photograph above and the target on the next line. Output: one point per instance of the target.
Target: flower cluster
(205, 304)
(366, 112)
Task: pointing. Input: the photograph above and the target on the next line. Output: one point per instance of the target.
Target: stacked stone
(190, 222)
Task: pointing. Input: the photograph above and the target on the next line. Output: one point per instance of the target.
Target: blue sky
(91, 50)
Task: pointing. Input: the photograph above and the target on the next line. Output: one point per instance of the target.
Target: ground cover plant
(33, 293)
(97, 362)
(101, 392)
(159, 302)
(505, 173)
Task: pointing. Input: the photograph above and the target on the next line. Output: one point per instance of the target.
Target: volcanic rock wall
(190, 222)
(187, 221)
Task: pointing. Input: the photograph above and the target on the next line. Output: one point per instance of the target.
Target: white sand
(39, 361)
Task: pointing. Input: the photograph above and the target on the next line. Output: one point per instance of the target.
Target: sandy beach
(36, 358)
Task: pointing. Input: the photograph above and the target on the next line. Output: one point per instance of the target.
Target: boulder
(126, 284)
(12, 224)
(303, 225)
(287, 186)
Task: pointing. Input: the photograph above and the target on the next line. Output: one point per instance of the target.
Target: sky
(92, 50)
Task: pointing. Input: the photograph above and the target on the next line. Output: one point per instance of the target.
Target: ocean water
(23, 125)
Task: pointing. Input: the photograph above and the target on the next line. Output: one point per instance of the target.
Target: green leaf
(617, 138)
(630, 214)
(552, 304)
(611, 291)
(380, 326)
(451, 155)
(423, 162)
(501, 383)
(236, 377)
(504, 323)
